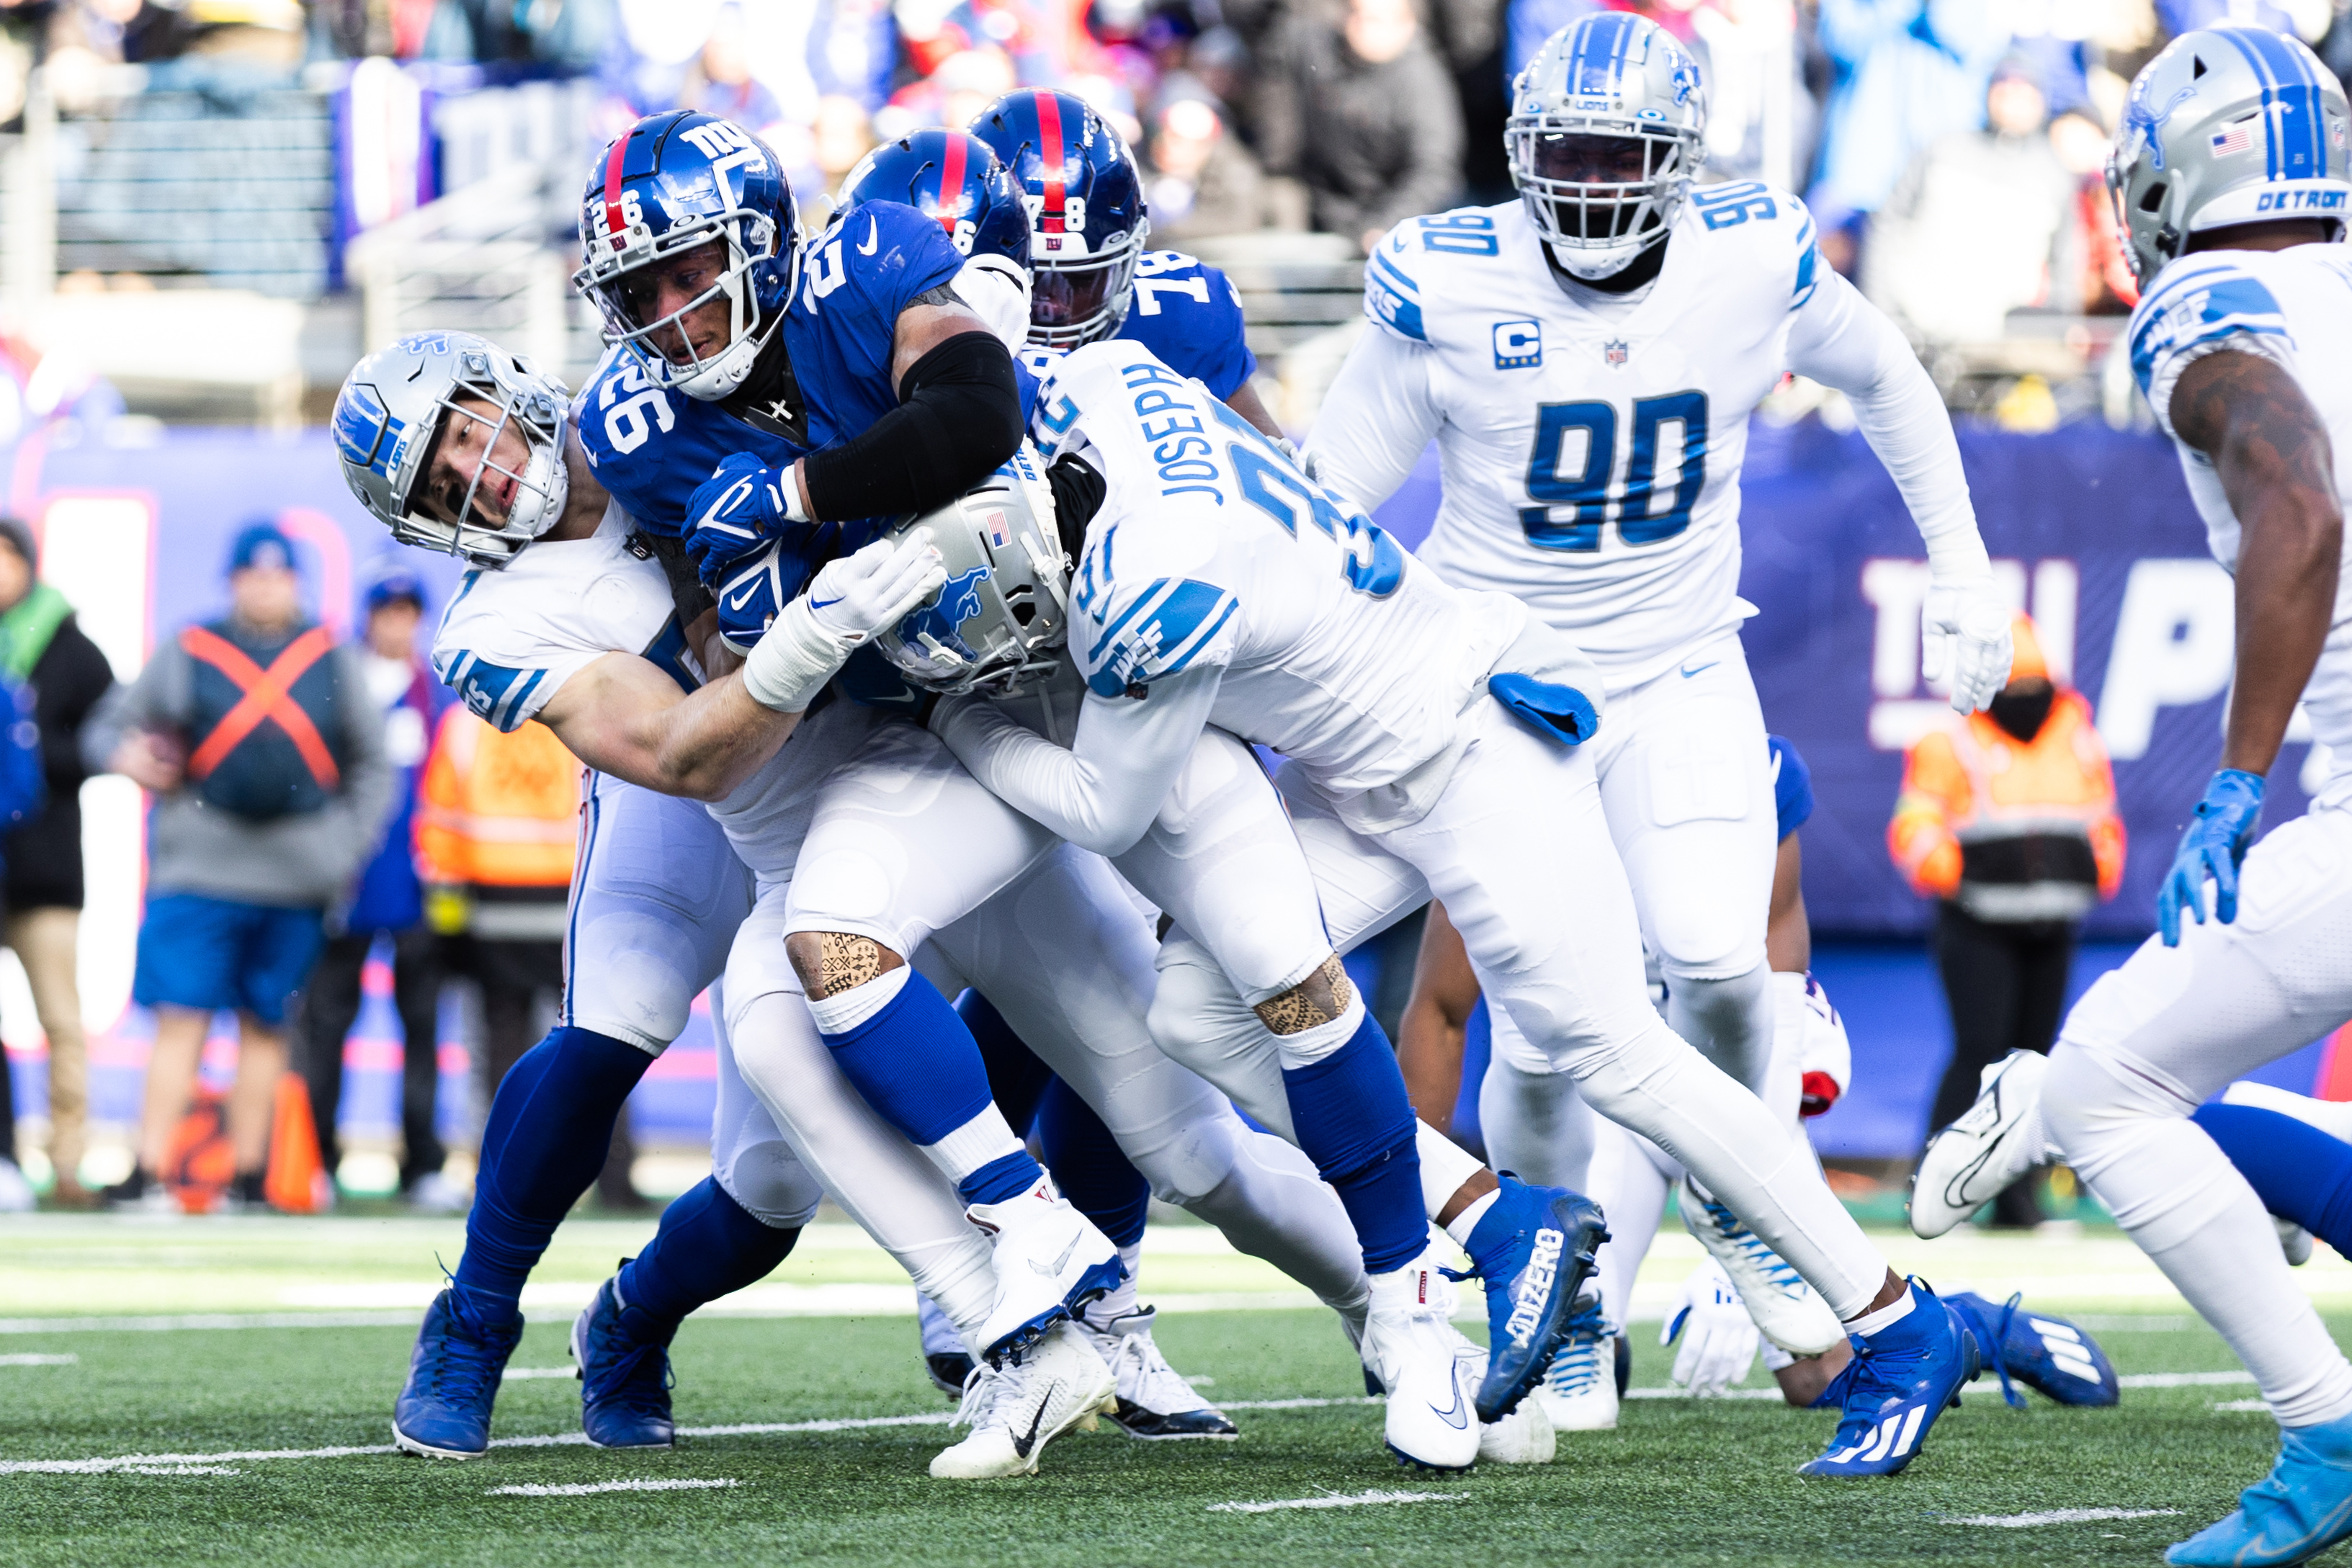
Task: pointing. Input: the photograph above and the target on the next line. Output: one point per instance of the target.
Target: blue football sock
(550, 1127)
(1090, 1167)
(1356, 1124)
(708, 1246)
(2299, 1172)
(1002, 1179)
(1016, 1076)
(915, 1063)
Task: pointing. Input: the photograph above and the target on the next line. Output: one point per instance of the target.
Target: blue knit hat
(262, 545)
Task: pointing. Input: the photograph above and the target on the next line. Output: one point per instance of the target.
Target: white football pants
(1543, 906)
(2157, 1038)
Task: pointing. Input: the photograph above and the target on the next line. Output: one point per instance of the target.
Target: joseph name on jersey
(1338, 650)
(653, 449)
(511, 638)
(1591, 455)
(1187, 313)
(2292, 307)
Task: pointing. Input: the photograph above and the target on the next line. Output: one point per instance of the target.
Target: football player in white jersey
(1220, 586)
(568, 619)
(1586, 359)
(2231, 181)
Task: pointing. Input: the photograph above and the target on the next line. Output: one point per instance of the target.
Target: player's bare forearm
(1788, 933)
(2271, 452)
(1246, 401)
(1430, 1035)
(624, 716)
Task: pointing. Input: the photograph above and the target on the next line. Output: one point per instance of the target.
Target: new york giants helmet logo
(939, 622)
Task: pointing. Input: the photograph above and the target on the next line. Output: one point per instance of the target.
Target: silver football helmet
(1614, 75)
(996, 625)
(400, 405)
(2227, 125)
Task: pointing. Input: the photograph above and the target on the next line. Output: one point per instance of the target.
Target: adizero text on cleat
(1534, 1248)
(444, 1409)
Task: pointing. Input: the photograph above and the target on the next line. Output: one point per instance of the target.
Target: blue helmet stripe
(2292, 132)
(1606, 39)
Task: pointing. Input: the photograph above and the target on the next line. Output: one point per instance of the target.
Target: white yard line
(585, 1489)
(38, 1360)
(1356, 1500)
(536, 1373)
(2185, 1379)
(2243, 1407)
(2059, 1516)
(179, 1320)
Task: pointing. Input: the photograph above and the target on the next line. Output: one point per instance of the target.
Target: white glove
(1307, 462)
(1964, 630)
(858, 595)
(996, 288)
(847, 601)
(1718, 1336)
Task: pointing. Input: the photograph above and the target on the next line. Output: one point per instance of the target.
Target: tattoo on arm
(1313, 1002)
(940, 294)
(2248, 415)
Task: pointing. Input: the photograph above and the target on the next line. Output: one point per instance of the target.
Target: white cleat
(1013, 1411)
(2294, 1240)
(1578, 1391)
(1522, 1438)
(1408, 1347)
(1995, 1141)
(1787, 1310)
(1050, 1261)
(1154, 1402)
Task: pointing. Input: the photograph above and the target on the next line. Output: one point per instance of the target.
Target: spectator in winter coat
(43, 646)
(1363, 113)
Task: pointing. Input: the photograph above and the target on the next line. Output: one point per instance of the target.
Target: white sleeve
(502, 674)
(1842, 341)
(1103, 792)
(1376, 418)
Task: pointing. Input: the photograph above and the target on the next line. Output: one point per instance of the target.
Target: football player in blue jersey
(1091, 276)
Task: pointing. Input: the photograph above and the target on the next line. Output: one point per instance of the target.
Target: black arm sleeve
(959, 416)
(1078, 496)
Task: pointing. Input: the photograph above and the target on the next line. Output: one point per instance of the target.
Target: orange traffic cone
(297, 1177)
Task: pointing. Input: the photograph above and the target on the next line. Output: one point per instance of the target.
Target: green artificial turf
(1679, 1482)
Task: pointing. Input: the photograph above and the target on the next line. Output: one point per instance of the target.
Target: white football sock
(986, 1137)
(1444, 1166)
(840, 1013)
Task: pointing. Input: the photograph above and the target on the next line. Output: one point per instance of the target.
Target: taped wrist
(793, 659)
(1078, 492)
(959, 416)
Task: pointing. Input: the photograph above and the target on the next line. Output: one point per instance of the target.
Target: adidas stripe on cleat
(1899, 1382)
(2046, 1354)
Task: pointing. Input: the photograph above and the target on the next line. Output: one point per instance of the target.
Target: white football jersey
(511, 638)
(1340, 650)
(2293, 306)
(1591, 454)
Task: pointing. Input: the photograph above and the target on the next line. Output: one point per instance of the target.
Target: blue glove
(2216, 841)
(739, 508)
(752, 587)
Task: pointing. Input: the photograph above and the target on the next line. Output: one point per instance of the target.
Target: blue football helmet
(1086, 217)
(671, 186)
(956, 180)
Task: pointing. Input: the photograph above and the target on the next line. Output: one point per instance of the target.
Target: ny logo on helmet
(938, 624)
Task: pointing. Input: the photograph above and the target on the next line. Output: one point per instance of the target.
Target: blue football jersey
(1187, 313)
(653, 449)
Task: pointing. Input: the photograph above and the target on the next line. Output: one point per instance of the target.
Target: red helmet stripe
(1049, 126)
(950, 180)
(613, 224)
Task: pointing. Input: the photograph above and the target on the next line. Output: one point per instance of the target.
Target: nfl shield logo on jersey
(1518, 345)
(1613, 351)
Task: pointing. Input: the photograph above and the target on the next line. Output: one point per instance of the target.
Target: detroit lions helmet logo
(2144, 122)
(943, 618)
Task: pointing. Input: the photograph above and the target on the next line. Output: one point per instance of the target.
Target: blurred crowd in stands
(1950, 149)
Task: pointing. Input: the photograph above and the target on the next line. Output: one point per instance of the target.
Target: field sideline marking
(584, 1489)
(2059, 1516)
(1356, 1500)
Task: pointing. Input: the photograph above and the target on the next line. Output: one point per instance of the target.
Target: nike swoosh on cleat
(1688, 672)
(1458, 1418)
(1049, 1270)
(1022, 1445)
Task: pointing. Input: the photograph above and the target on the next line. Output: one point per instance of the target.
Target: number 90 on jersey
(1575, 466)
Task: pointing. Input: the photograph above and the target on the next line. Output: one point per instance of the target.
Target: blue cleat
(625, 1379)
(1534, 1248)
(2042, 1352)
(2301, 1508)
(444, 1411)
(1899, 1380)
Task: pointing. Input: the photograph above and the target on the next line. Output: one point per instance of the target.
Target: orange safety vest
(498, 810)
(2011, 829)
